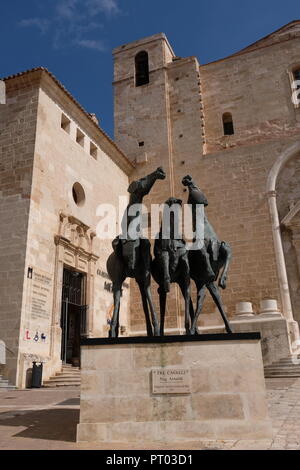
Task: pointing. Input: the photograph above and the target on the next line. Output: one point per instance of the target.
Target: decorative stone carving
(76, 236)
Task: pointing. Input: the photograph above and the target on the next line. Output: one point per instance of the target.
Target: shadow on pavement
(69, 402)
(57, 425)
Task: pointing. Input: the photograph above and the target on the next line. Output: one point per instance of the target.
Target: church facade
(57, 166)
(233, 124)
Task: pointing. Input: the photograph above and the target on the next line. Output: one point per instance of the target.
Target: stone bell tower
(158, 109)
(158, 122)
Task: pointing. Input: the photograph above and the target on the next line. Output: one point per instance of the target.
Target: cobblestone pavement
(47, 419)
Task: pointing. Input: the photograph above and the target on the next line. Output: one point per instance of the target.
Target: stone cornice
(66, 243)
(74, 220)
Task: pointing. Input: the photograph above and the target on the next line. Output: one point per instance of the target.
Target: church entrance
(73, 315)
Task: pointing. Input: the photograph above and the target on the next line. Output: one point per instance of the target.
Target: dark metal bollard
(37, 372)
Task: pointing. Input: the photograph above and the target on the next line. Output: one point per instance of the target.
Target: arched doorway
(73, 315)
(288, 204)
(273, 187)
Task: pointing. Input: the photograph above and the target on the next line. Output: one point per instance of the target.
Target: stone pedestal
(175, 389)
(274, 332)
(269, 307)
(244, 309)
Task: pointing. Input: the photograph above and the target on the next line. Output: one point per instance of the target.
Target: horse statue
(132, 255)
(206, 261)
(170, 263)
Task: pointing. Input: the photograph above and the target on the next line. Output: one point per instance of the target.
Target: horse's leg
(164, 259)
(227, 255)
(208, 273)
(200, 299)
(214, 291)
(192, 313)
(118, 321)
(154, 321)
(143, 277)
(184, 285)
(145, 307)
(114, 326)
(162, 304)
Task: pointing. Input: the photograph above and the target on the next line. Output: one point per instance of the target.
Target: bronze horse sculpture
(207, 261)
(132, 255)
(170, 263)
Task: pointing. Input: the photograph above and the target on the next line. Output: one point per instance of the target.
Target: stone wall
(185, 104)
(226, 397)
(17, 141)
(43, 228)
(142, 114)
(255, 87)
(63, 233)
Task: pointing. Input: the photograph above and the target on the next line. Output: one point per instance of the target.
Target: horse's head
(195, 194)
(173, 200)
(171, 219)
(143, 185)
(160, 173)
(187, 180)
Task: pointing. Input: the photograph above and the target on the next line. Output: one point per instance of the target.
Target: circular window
(78, 194)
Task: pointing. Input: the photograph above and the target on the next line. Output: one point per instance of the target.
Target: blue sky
(74, 38)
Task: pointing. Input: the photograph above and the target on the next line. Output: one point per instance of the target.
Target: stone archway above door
(76, 240)
(74, 248)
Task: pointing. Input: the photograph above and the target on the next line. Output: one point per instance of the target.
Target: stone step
(5, 385)
(278, 366)
(53, 384)
(282, 372)
(63, 379)
(281, 375)
(69, 366)
(285, 367)
(288, 363)
(68, 374)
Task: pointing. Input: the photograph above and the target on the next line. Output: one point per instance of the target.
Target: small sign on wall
(41, 296)
(175, 380)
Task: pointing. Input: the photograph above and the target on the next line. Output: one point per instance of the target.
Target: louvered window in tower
(228, 124)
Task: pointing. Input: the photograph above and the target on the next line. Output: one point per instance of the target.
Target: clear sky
(74, 38)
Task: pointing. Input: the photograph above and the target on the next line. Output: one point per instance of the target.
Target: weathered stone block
(226, 397)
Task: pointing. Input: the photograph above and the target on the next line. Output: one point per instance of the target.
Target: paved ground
(47, 419)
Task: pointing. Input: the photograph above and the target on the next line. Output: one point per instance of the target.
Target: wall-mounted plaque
(171, 380)
(41, 296)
